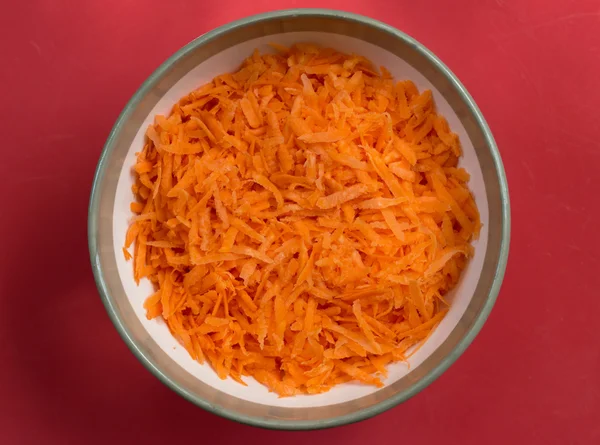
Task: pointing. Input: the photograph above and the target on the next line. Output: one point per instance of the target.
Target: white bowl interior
(228, 61)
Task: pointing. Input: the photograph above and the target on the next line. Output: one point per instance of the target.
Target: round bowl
(222, 50)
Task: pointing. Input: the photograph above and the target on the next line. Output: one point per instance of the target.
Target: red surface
(533, 374)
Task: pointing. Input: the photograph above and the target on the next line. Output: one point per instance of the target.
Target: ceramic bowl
(222, 50)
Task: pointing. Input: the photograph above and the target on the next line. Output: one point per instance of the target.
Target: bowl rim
(365, 413)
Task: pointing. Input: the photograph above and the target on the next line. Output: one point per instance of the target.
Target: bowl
(222, 50)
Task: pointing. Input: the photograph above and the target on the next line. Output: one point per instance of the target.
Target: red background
(533, 374)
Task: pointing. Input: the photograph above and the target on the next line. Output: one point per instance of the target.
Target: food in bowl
(302, 220)
(221, 51)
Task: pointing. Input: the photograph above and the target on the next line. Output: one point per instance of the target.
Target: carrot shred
(302, 220)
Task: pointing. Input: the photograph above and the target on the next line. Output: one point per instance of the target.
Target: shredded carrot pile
(302, 220)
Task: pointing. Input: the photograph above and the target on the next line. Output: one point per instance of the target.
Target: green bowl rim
(388, 403)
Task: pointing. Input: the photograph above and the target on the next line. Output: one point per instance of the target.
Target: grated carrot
(302, 220)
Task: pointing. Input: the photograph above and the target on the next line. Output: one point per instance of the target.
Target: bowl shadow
(70, 373)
